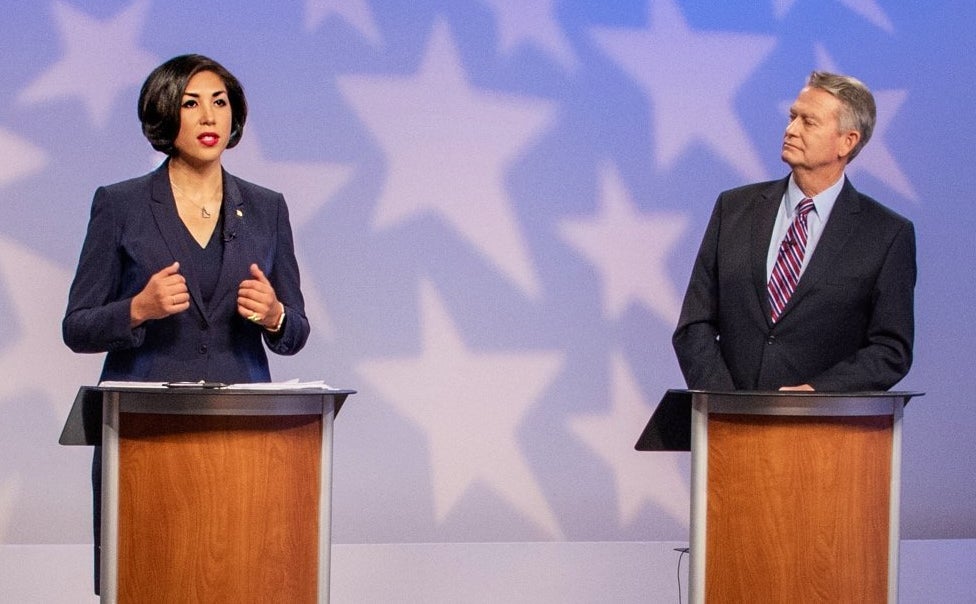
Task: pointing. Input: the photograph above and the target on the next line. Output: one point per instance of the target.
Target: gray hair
(858, 111)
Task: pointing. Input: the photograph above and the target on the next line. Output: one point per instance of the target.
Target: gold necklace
(204, 212)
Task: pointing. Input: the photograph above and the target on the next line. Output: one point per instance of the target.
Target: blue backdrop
(496, 204)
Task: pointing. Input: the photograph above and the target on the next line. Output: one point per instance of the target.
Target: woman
(188, 272)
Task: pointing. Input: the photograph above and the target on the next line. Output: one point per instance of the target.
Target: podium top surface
(669, 428)
(84, 422)
(802, 393)
(316, 387)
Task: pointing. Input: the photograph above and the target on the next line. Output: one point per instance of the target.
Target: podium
(212, 494)
(794, 495)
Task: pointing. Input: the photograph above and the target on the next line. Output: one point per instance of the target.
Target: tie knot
(804, 207)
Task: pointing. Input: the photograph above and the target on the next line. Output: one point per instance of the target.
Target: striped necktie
(786, 271)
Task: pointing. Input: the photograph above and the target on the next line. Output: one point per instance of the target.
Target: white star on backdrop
(101, 60)
(10, 490)
(356, 12)
(876, 159)
(692, 79)
(630, 250)
(532, 23)
(448, 146)
(869, 9)
(640, 477)
(470, 405)
(29, 280)
(20, 158)
(307, 186)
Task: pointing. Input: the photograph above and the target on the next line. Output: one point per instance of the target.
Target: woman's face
(205, 119)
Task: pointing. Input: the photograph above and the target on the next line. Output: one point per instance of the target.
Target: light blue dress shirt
(816, 220)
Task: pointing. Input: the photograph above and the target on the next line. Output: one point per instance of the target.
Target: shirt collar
(823, 202)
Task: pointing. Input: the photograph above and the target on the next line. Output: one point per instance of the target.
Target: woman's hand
(257, 302)
(165, 294)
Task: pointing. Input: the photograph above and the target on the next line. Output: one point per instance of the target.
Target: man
(800, 296)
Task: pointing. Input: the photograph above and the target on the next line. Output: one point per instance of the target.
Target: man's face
(814, 140)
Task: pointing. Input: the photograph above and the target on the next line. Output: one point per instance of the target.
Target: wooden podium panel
(212, 494)
(187, 484)
(792, 511)
(794, 495)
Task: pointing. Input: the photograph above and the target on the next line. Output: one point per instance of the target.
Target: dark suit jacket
(849, 325)
(134, 231)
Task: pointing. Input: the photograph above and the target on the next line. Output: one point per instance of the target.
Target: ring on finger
(253, 317)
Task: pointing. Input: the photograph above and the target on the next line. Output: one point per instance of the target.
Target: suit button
(203, 349)
(771, 339)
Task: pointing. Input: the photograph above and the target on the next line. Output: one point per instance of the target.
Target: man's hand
(800, 388)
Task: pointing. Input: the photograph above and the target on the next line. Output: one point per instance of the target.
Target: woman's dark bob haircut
(162, 96)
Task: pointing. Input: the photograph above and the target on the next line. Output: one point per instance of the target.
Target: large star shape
(10, 490)
(532, 23)
(29, 280)
(356, 12)
(692, 79)
(470, 405)
(869, 9)
(640, 477)
(102, 58)
(35, 317)
(449, 147)
(20, 158)
(630, 250)
(307, 186)
(876, 158)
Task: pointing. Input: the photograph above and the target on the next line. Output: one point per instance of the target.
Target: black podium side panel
(669, 428)
(84, 423)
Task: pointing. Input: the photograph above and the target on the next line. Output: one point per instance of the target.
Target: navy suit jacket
(849, 325)
(134, 231)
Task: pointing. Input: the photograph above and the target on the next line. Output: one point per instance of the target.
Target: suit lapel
(839, 228)
(233, 260)
(764, 218)
(172, 230)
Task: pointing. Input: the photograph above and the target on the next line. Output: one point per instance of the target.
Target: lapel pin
(240, 214)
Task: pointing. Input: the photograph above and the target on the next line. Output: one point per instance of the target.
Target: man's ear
(848, 141)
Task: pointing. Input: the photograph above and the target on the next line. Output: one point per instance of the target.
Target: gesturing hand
(256, 300)
(165, 294)
(800, 388)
